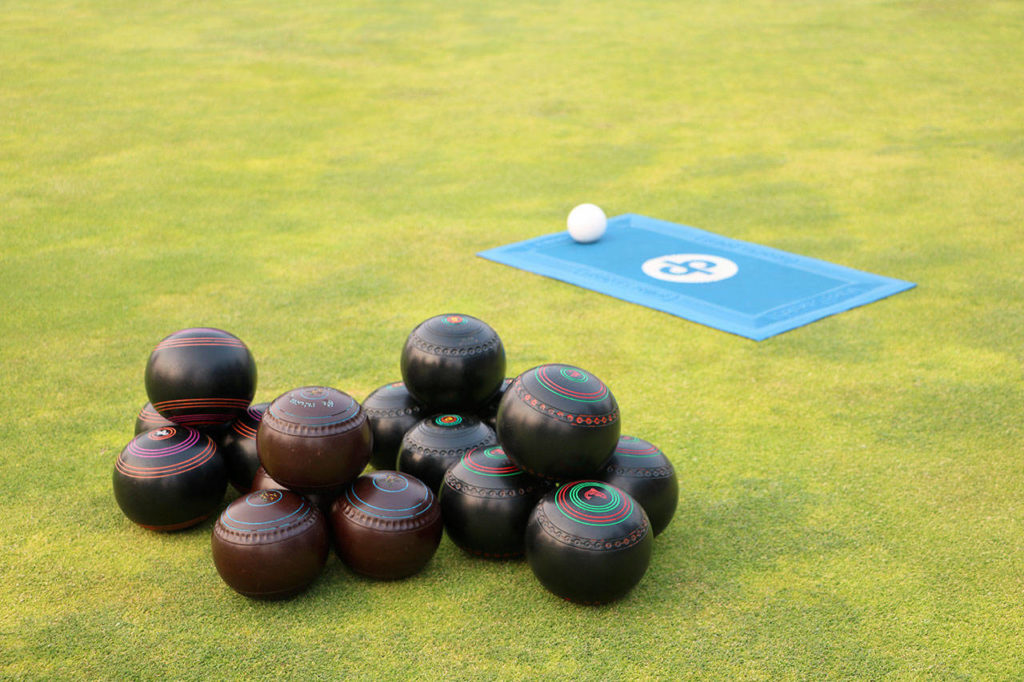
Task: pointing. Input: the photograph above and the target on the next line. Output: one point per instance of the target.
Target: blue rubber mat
(739, 287)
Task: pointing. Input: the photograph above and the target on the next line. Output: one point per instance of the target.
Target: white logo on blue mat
(690, 268)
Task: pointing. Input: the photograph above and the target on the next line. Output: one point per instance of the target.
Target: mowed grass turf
(317, 177)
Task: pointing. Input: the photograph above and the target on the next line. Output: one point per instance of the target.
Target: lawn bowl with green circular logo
(589, 542)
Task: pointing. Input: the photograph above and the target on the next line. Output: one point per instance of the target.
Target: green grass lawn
(317, 177)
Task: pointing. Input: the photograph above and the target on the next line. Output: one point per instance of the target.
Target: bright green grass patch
(317, 177)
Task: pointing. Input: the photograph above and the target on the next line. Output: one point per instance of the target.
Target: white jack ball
(586, 223)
